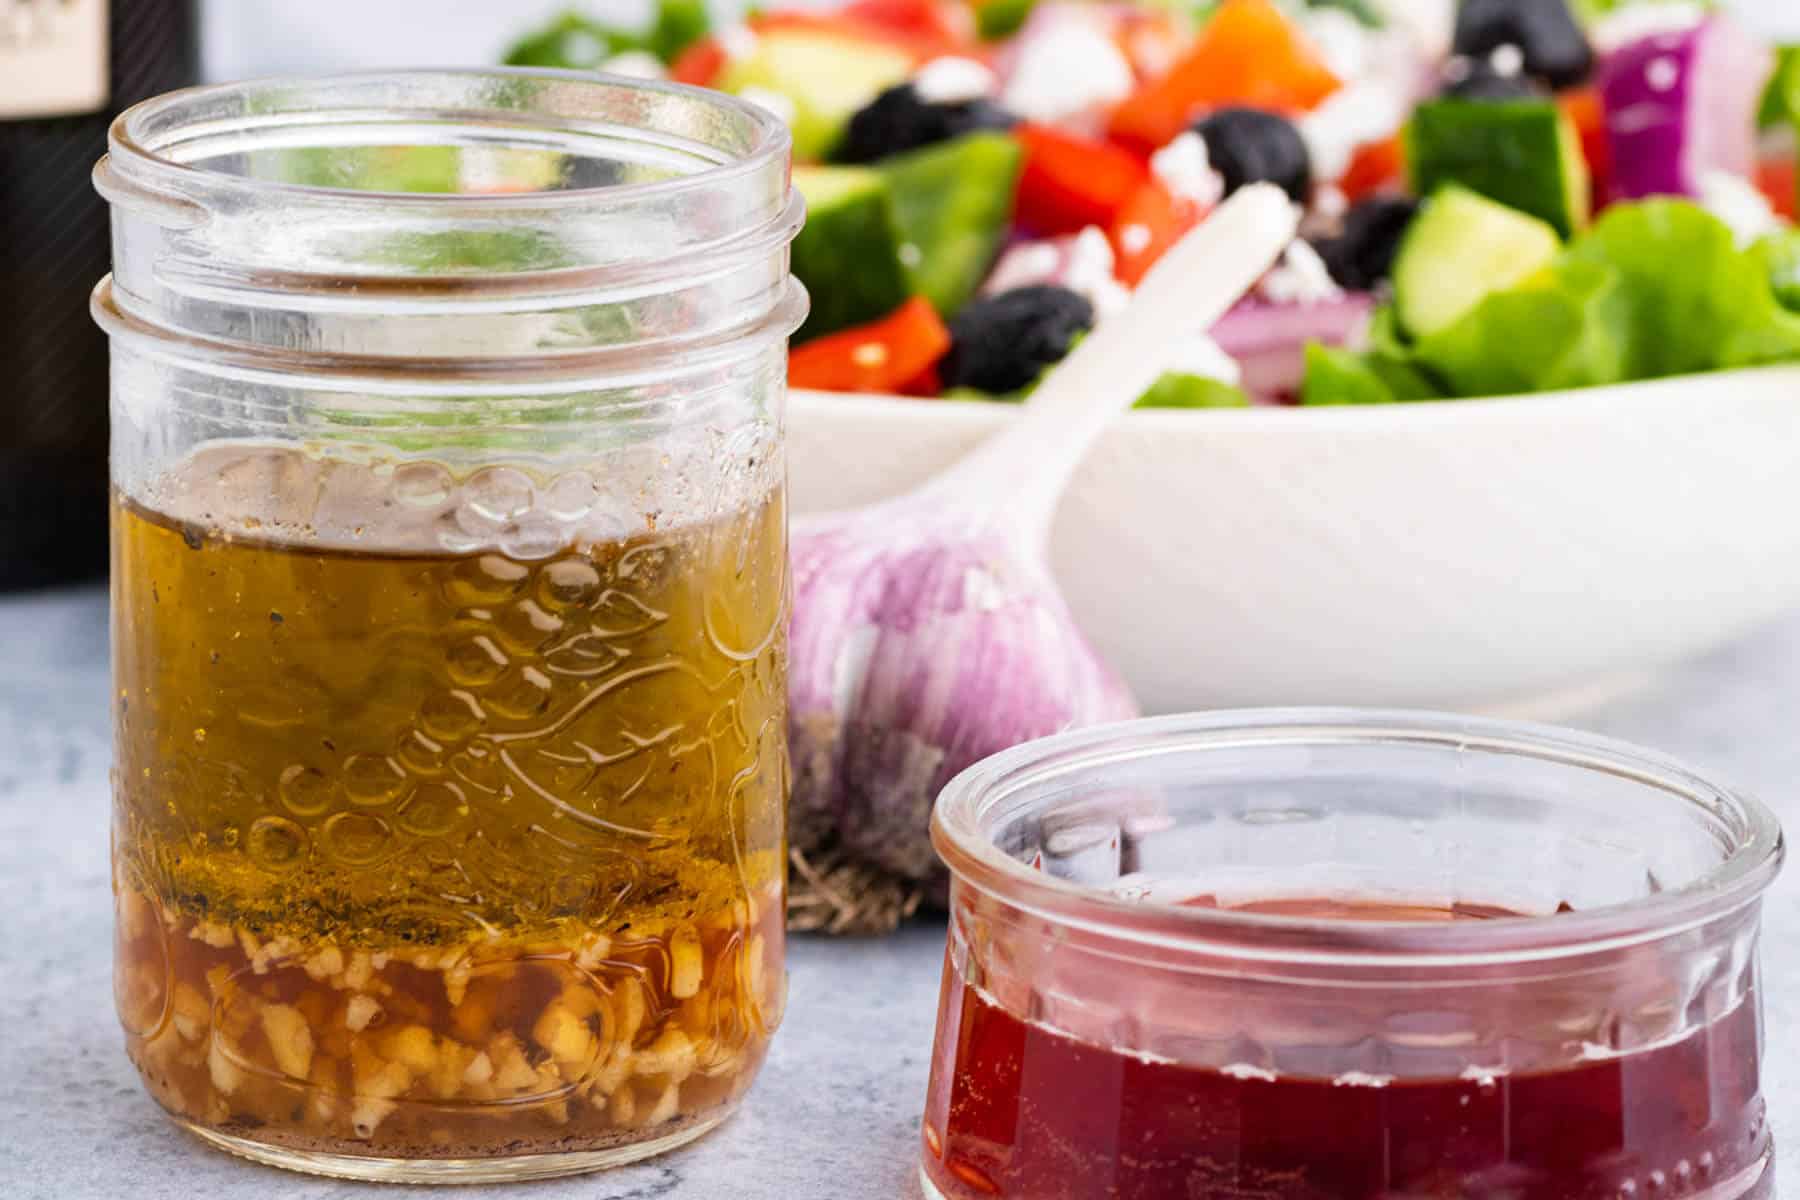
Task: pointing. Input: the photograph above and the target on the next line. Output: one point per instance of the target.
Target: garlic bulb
(927, 631)
(923, 652)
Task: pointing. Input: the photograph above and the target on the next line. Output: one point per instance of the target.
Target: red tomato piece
(950, 28)
(926, 385)
(1587, 112)
(1071, 182)
(1779, 180)
(884, 355)
(703, 62)
(1147, 225)
(850, 26)
(1376, 167)
(1151, 40)
(699, 64)
(1249, 53)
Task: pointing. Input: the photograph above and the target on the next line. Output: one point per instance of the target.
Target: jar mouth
(458, 222)
(1021, 786)
(169, 135)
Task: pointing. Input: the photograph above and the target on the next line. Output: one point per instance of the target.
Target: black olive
(1476, 79)
(1249, 145)
(1362, 255)
(899, 119)
(1545, 31)
(1002, 343)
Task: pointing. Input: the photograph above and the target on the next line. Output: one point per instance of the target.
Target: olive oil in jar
(432, 852)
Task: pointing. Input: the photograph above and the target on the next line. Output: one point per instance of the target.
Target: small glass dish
(1336, 953)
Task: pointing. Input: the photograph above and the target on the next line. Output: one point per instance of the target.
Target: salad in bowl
(1500, 196)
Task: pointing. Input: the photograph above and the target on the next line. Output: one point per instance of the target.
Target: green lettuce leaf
(572, 41)
(1364, 11)
(1695, 301)
(1654, 289)
(578, 42)
(1779, 255)
(678, 25)
(1337, 376)
(1781, 100)
(1593, 10)
(1390, 355)
(1568, 326)
(1178, 389)
(1383, 373)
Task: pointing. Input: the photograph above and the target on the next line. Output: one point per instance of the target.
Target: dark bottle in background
(67, 67)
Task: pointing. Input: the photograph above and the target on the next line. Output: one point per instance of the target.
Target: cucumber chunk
(1523, 153)
(848, 254)
(1462, 248)
(1178, 389)
(825, 76)
(953, 203)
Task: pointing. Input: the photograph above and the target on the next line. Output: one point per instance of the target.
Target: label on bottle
(53, 58)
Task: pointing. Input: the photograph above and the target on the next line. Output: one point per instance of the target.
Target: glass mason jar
(1327, 953)
(449, 600)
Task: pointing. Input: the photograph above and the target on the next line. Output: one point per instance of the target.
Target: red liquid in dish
(1017, 1110)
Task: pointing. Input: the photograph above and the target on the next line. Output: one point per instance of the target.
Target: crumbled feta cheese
(1135, 238)
(1065, 72)
(1431, 24)
(1300, 277)
(1341, 40)
(1182, 166)
(1082, 263)
(1635, 22)
(1507, 61)
(580, 46)
(909, 254)
(1089, 272)
(953, 80)
(1108, 296)
(775, 102)
(1737, 202)
(738, 42)
(1351, 118)
(1329, 202)
(1024, 265)
(635, 64)
(1202, 356)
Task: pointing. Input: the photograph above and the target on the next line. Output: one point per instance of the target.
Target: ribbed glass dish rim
(971, 803)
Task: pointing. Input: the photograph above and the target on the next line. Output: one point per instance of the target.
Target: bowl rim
(1299, 419)
(1738, 880)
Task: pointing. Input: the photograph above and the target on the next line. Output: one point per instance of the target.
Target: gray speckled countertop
(834, 1113)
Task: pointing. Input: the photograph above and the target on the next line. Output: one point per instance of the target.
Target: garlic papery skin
(919, 655)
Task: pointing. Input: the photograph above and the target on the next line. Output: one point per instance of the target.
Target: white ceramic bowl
(1498, 554)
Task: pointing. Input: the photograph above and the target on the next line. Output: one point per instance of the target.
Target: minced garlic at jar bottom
(591, 1040)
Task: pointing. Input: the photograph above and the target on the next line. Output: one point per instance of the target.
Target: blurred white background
(269, 37)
